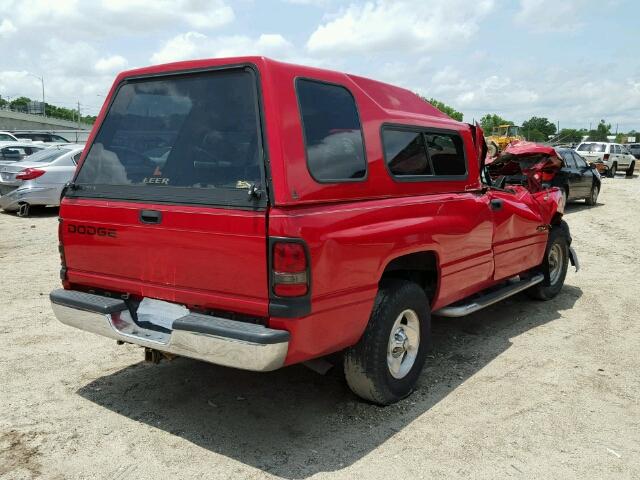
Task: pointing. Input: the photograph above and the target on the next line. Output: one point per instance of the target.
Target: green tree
(600, 133)
(20, 104)
(538, 129)
(571, 135)
(444, 108)
(492, 120)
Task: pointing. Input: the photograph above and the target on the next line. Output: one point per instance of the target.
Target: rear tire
(555, 264)
(592, 199)
(384, 366)
(632, 167)
(23, 209)
(492, 149)
(612, 171)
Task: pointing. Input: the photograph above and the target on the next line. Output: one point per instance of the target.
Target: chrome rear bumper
(203, 337)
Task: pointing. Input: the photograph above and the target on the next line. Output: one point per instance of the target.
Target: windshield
(192, 138)
(47, 155)
(592, 147)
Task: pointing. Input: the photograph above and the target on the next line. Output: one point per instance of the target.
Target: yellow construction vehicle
(500, 137)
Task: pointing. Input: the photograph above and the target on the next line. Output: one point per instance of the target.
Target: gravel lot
(523, 389)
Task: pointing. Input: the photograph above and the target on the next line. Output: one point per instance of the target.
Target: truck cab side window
(405, 153)
(446, 152)
(332, 132)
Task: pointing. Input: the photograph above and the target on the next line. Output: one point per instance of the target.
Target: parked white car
(15, 151)
(614, 155)
(7, 137)
(38, 179)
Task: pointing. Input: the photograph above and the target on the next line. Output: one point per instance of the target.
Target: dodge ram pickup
(257, 214)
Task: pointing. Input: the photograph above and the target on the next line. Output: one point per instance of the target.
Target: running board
(478, 303)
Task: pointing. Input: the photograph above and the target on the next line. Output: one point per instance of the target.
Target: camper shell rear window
(181, 138)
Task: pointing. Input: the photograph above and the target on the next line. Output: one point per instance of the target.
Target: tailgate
(208, 257)
(168, 202)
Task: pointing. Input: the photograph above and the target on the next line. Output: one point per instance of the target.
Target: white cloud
(403, 25)
(111, 64)
(108, 17)
(192, 45)
(7, 28)
(202, 14)
(551, 15)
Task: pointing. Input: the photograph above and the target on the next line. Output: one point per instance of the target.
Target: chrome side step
(478, 303)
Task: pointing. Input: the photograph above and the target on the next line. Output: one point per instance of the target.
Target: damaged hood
(536, 163)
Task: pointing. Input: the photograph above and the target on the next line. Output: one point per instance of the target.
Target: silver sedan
(37, 179)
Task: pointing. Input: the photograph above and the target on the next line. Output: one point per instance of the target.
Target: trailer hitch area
(154, 356)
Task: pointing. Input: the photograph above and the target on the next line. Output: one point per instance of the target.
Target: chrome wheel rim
(555, 259)
(404, 342)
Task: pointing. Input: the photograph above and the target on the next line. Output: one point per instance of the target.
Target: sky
(572, 61)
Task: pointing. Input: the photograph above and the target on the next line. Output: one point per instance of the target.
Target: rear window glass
(193, 138)
(48, 155)
(17, 153)
(568, 158)
(592, 147)
(405, 153)
(332, 132)
(446, 153)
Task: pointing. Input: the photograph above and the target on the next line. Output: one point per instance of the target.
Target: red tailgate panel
(210, 257)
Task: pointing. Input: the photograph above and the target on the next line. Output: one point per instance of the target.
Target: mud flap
(573, 257)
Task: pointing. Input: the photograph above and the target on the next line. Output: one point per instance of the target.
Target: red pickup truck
(257, 214)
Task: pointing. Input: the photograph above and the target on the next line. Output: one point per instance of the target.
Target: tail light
(30, 174)
(290, 269)
(606, 156)
(547, 176)
(63, 260)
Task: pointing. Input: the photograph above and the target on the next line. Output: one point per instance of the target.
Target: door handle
(496, 204)
(150, 216)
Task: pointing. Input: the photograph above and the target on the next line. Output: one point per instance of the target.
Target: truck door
(519, 234)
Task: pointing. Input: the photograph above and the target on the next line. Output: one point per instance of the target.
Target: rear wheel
(593, 195)
(555, 264)
(23, 209)
(492, 149)
(632, 167)
(612, 171)
(384, 366)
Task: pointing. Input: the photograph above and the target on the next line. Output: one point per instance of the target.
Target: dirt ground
(523, 389)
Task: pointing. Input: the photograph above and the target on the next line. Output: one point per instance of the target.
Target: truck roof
(397, 101)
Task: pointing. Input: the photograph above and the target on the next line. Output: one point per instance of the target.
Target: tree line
(540, 129)
(21, 104)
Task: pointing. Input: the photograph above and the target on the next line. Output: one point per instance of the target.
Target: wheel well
(419, 267)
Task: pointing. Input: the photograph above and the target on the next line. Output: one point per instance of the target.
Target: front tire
(384, 366)
(555, 264)
(632, 167)
(592, 199)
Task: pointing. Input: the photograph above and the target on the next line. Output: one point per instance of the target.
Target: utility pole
(78, 114)
(44, 105)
